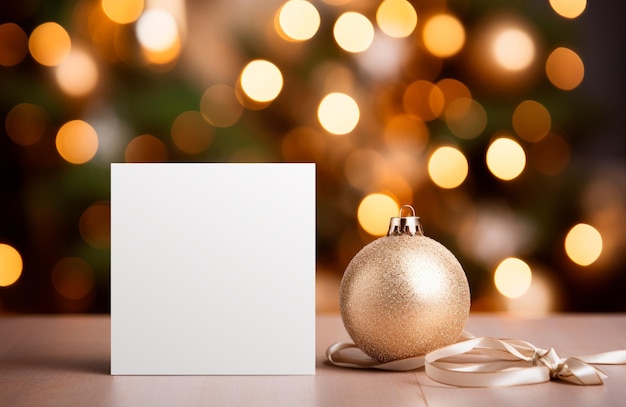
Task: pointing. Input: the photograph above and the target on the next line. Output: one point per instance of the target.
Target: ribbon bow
(488, 362)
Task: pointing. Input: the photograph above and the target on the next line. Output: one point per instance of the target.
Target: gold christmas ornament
(404, 294)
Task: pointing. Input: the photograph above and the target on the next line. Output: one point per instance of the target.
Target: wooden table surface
(64, 361)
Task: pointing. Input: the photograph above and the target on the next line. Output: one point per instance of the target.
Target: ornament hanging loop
(409, 207)
(407, 225)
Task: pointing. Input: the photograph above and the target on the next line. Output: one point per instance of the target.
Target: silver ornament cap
(404, 294)
(410, 225)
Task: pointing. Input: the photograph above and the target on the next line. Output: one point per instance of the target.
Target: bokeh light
(394, 183)
(531, 120)
(505, 158)
(512, 277)
(569, 8)
(77, 75)
(453, 89)
(466, 118)
(513, 49)
(77, 142)
(298, 20)
(163, 59)
(551, 154)
(448, 167)
(407, 134)
(502, 57)
(261, 80)
(541, 298)
(374, 213)
(13, 44)
(122, 11)
(219, 106)
(364, 167)
(408, 167)
(157, 29)
(491, 232)
(338, 113)
(144, 149)
(26, 123)
(583, 244)
(49, 44)
(384, 58)
(565, 69)
(334, 77)
(369, 91)
(396, 18)
(423, 100)
(191, 133)
(73, 278)
(109, 40)
(10, 265)
(353, 32)
(303, 144)
(443, 35)
(94, 225)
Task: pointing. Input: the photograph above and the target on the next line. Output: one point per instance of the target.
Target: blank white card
(212, 269)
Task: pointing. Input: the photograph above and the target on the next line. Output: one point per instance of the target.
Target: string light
(396, 18)
(374, 212)
(565, 69)
(583, 244)
(448, 167)
(353, 32)
(338, 113)
(49, 44)
(77, 142)
(261, 80)
(513, 49)
(10, 265)
(443, 35)
(122, 11)
(512, 277)
(157, 30)
(506, 159)
(298, 20)
(569, 8)
(164, 56)
(78, 74)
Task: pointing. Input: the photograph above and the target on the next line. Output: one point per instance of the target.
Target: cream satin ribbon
(487, 362)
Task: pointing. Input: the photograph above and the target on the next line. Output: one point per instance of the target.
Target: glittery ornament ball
(403, 296)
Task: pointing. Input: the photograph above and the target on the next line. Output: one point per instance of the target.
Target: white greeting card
(212, 269)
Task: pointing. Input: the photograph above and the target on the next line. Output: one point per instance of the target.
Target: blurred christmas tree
(498, 121)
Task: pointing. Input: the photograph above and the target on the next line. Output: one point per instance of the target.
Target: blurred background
(500, 121)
